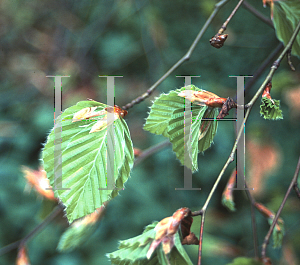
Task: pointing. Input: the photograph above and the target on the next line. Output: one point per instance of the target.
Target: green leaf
(167, 118)
(270, 110)
(286, 15)
(208, 129)
(245, 261)
(176, 131)
(278, 233)
(162, 111)
(84, 161)
(228, 203)
(75, 236)
(133, 251)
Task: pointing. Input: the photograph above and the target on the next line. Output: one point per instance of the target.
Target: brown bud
(217, 41)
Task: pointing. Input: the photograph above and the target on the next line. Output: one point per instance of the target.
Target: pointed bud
(217, 41)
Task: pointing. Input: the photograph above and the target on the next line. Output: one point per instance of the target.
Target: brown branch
(201, 238)
(296, 188)
(224, 26)
(267, 238)
(227, 106)
(218, 40)
(258, 14)
(186, 57)
(241, 129)
(150, 151)
(253, 220)
(56, 211)
(289, 59)
(263, 67)
(274, 66)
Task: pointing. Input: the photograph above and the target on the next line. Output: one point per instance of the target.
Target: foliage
(79, 231)
(270, 109)
(167, 117)
(140, 41)
(84, 185)
(286, 18)
(134, 251)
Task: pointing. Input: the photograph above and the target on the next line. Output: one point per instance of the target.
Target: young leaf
(208, 129)
(286, 15)
(79, 231)
(133, 251)
(83, 184)
(270, 109)
(176, 131)
(167, 117)
(278, 233)
(162, 111)
(166, 230)
(227, 196)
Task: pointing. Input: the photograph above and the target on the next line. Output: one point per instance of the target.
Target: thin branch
(258, 14)
(186, 57)
(241, 130)
(56, 211)
(263, 67)
(150, 151)
(289, 59)
(296, 188)
(201, 238)
(267, 238)
(218, 40)
(224, 26)
(275, 66)
(253, 221)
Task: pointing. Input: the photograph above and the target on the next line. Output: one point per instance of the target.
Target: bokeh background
(141, 40)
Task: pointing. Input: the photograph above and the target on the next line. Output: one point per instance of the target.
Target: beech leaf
(167, 118)
(83, 186)
(135, 251)
(79, 231)
(286, 15)
(270, 109)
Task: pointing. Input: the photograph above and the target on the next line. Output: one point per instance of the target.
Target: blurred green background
(141, 40)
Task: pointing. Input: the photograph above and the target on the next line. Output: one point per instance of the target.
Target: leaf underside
(286, 16)
(82, 187)
(74, 237)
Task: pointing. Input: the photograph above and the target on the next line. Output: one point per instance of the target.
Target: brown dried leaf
(191, 239)
(38, 180)
(166, 230)
(201, 98)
